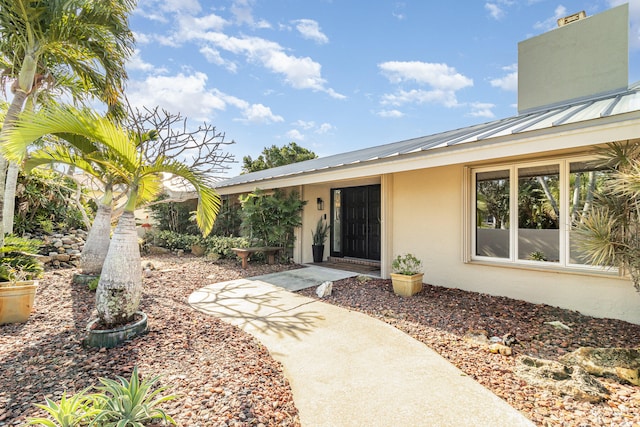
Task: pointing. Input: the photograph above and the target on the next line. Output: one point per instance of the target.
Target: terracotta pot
(16, 301)
(405, 286)
(109, 338)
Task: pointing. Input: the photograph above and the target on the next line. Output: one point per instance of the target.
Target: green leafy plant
(320, 233)
(18, 261)
(609, 234)
(46, 200)
(73, 411)
(117, 403)
(537, 256)
(93, 283)
(131, 402)
(406, 264)
(271, 218)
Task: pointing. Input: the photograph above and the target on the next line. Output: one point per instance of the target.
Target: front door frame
(370, 222)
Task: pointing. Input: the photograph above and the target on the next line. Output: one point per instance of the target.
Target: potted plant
(406, 275)
(18, 271)
(319, 235)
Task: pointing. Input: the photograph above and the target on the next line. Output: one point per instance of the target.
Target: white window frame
(564, 228)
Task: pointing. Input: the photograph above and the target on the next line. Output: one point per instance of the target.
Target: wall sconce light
(320, 203)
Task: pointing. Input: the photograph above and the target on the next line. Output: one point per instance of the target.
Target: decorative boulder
(561, 379)
(324, 290)
(622, 364)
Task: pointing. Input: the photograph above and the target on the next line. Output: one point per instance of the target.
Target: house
(454, 198)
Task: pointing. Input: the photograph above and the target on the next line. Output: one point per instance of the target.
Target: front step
(357, 261)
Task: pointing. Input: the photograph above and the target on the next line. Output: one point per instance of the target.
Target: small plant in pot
(406, 275)
(18, 270)
(319, 235)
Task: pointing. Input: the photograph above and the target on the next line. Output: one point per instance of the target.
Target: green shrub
(272, 218)
(121, 403)
(406, 264)
(173, 216)
(18, 261)
(222, 245)
(219, 245)
(45, 200)
(172, 240)
(93, 283)
(228, 220)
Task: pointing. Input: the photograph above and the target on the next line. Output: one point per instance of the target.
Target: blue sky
(335, 76)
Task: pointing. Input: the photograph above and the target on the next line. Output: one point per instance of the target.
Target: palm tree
(120, 285)
(609, 234)
(79, 152)
(77, 45)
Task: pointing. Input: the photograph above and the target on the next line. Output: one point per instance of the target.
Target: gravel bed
(222, 375)
(440, 317)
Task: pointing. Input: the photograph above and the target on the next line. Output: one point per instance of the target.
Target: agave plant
(71, 411)
(131, 403)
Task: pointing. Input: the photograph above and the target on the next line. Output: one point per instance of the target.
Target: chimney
(584, 57)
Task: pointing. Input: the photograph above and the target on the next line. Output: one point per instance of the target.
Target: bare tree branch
(164, 134)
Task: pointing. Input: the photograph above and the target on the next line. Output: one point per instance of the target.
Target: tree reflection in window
(538, 213)
(492, 214)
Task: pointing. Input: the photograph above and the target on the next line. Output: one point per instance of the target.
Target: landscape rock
(559, 378)
(499, 348)
(477, 336)
(157, 250)
(324, 290)
(622, 364)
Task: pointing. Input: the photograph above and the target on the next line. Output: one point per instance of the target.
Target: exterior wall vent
(571, 18)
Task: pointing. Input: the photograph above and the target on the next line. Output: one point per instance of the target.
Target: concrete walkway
(348, 369)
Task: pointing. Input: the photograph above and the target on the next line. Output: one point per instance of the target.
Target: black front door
(356, 219)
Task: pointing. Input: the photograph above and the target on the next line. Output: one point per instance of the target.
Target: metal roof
(549, 117)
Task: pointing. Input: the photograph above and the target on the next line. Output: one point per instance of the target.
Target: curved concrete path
(348, 369)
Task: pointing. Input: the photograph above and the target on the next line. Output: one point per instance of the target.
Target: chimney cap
(571, 18)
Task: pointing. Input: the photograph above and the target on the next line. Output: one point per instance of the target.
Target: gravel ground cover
(222, 375)
(440, 318)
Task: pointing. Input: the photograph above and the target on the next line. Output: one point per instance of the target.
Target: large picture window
(524, 213)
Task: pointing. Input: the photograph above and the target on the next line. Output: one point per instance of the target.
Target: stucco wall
(310, 218)
(428, 222)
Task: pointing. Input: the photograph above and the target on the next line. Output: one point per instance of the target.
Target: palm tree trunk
(9, 205)
(96, 246)
(17, 103)
(120, 287)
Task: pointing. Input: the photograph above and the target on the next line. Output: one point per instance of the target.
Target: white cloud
(141, 38)
(390, 114)
(243, 14)
(295, 135)
(156, 10)
(552, 22)
(508, 82)
(444, 82)
(439, 76)
(415, 96)
(137, 63)
(495, 11)
(298, 72)
(304, 124)
(258, 113)
(182, 93)
(188, 94)
(480, 109)
(310, 29)
(213, 56)
(324, 128)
